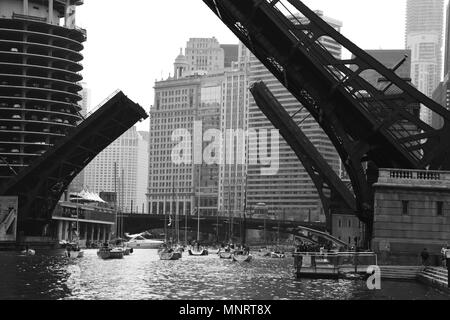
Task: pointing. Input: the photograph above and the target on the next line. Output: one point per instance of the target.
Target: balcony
(28, 17)
(414, 178)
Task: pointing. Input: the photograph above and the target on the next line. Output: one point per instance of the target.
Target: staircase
(406, 273)
(435, 276)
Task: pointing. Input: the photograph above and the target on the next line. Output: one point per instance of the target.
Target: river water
(51, 276)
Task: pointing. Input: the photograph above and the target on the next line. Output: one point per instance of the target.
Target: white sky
(131, 43)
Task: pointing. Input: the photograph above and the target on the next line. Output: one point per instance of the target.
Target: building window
(440, 208)
(340, 223)
(405, 206)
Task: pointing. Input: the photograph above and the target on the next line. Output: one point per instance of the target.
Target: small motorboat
(241, 256)
(117, 253)
(104, 253)
(198, 252)
(111, 253)
(140, 241)
(121, 243)
(225, 254)
(168, 253)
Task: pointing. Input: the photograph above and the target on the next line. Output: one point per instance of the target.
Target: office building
(288, 192)
(424, 37)
(122, 169)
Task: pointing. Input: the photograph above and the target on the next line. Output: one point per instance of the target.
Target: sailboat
(198, 250)
(73, 249)
(243, 254)
(277, 254)
(167, 251)
(107, 251)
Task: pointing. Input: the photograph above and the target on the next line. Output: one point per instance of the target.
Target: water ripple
(143, 276)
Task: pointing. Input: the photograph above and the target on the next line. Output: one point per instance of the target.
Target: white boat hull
(203, 252)
(225, 255)
(170, 255)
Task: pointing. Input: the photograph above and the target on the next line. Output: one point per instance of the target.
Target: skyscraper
(289, 192)
(424, 37)
(198, 100)
(122, 168)
(234, 126)
(39, 79)
(442, 93)
(205, 55)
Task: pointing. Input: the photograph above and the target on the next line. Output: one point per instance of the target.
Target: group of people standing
(445, 256)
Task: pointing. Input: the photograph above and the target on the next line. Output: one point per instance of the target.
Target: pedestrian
(425, 256)
(444, 251)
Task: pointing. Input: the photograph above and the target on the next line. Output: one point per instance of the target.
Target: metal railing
(336, 260)
(90, 113)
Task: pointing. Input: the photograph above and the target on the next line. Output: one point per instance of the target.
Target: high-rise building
(170, 185)
(204, 55)
(442, 93)
(122, 169)
(234, 127)
(289, 192)
(424, 37)
(196, 103)
(39, 79)
(187, 106)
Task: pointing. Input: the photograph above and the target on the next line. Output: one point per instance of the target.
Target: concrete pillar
(98, 232)
(66, 230)
(150, 207)
(104, 234)
(60, 230)
(157, 207)
(25, 7)
(50, 11)
(92, 232)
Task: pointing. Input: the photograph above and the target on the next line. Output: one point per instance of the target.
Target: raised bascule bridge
(371, 128)
(45, 141)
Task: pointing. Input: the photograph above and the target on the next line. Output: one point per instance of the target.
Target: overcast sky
(131, 43)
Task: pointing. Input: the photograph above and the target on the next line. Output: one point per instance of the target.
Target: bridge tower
(370, 127)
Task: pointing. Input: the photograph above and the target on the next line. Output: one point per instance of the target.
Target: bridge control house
(412, 212)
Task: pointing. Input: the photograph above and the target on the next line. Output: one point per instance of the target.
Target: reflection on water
(143, 276)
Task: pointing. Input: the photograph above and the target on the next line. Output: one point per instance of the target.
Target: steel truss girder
(333, 193)
(41, 186)
(363, 123)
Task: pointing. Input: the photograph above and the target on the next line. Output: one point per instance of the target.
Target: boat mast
(244, 236)
(198, 202)
(174, 207)
(115, 196)
(123, 203)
